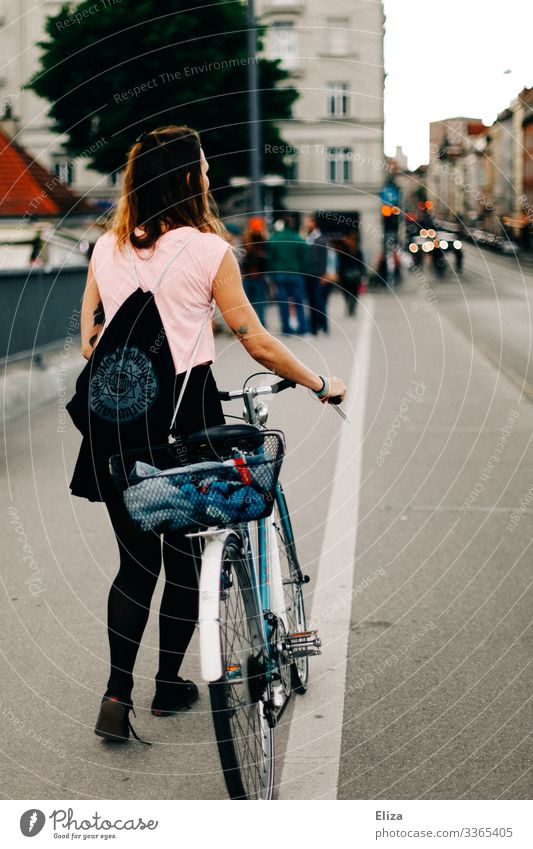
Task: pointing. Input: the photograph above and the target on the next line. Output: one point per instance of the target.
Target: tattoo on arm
(240, 332)
(98, 321)
(99, 314)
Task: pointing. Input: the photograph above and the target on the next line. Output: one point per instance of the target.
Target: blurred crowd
(295, 271)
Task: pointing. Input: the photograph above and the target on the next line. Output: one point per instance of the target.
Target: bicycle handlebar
(280, 386)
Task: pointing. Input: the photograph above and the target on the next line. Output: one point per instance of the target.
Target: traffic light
(391, 217)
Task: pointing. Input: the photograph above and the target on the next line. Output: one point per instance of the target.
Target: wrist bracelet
(322, 393)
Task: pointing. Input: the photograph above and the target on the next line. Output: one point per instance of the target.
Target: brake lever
(335, 403)
(342, 414)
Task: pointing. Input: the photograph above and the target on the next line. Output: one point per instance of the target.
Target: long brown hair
(163, 188)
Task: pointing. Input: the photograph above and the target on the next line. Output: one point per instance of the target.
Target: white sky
(445, 58)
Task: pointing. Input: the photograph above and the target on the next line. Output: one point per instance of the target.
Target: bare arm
(242, 320)
(92, 315)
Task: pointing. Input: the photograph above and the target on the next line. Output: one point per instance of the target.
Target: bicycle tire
(245, 740)
(293, 581)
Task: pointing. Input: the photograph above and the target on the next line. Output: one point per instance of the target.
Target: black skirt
(199, 408)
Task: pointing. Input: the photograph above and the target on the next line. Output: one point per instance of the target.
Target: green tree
(111, 68)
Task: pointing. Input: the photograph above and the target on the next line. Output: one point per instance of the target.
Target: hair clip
(142, 137)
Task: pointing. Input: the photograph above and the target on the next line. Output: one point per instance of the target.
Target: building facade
(21, 27)
(484, 175)
(334, 53)
(502, 158)
(458, 171)
(522, 108)
(24, 115)
(334, 138)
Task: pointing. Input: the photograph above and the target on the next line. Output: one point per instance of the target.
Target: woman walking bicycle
(151, 287)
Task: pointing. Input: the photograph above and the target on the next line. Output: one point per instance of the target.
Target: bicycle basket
(172, 496)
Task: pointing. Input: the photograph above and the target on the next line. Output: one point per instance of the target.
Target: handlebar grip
(283, 384)
(335, 399)
(224, 396)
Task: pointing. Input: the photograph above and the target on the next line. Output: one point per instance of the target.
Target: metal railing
(40, 310)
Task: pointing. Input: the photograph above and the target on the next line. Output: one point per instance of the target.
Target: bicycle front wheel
(244, 737)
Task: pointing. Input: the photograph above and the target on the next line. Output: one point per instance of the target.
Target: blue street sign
(390, 194)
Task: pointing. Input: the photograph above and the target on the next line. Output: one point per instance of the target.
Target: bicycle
(254, 641)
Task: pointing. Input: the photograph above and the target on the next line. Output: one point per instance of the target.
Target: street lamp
(253, 110)
(270, 182)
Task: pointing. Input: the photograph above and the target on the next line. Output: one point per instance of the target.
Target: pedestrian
(316, 286)
(352, 271)
(165, 259)
(253, 266)
(286, 262)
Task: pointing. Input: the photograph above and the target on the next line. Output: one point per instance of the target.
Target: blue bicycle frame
(260, 571)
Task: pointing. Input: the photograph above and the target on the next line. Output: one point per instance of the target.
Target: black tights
(131, 594)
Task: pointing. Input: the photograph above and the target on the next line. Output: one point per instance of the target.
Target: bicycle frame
(254, 640)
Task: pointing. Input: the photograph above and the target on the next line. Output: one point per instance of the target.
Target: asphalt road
(434, 702)
(492, 304)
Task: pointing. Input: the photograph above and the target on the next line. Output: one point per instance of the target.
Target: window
(339, 164)
(338, 36)
(338, 100)
(283, 43)
(291, 163)
(64, 171)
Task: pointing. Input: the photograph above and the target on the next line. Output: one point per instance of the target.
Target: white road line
(312, 757)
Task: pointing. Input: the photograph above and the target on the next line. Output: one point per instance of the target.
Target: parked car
(482, 239)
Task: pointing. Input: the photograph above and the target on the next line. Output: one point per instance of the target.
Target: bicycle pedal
(303, 643)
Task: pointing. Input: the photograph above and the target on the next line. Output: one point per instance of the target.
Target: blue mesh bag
(213, 493)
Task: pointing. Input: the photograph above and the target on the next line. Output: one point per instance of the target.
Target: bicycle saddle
(221, 439)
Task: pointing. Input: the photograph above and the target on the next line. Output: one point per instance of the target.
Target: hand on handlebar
(337, 391)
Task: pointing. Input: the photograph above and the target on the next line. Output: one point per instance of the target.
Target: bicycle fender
(209, 608)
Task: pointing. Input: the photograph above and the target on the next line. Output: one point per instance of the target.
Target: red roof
(28, 189)
(476, 128)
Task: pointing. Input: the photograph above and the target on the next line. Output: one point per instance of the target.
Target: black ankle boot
(113, 721)
(172, 697)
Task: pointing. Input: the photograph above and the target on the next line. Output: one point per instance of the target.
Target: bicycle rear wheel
(293, 581)
(244, 737)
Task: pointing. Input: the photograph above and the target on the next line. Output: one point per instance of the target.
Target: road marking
(312, 757)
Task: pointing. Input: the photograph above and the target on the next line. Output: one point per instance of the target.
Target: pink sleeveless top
(183, 285)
